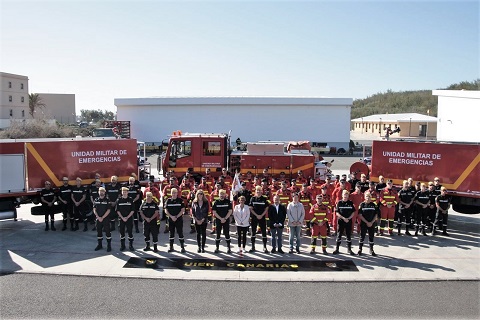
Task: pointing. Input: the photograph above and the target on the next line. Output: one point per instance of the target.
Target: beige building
(58, 106)
(13, 98)
(411, 125)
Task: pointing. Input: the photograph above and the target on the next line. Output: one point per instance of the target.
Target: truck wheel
(466, 209)
(37, 211)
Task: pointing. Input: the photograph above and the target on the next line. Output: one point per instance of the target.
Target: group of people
(255, 205)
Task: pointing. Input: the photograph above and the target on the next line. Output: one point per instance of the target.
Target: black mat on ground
(240, 264)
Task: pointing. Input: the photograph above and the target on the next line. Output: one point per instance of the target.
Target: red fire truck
(456, 164)
(27, 164)
(198, 151)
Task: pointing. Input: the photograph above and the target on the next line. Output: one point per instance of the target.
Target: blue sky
(102, 50)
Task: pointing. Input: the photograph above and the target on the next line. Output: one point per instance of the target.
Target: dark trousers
(422, 217)
(219, 226)
(150, 228)
(442, 218)
(77, 211)
(404, 217)
(201, 234)
(262, 223)
(242, 236)
(363, 232)
(67, 212)
(126, 225)
(103, 226)
(347, 226)
(176, 225)
(49, 212)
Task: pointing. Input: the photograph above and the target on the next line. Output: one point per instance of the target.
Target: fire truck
(196, 152)
(27, 163)
(456, 164)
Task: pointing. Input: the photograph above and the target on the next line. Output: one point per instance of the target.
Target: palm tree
(35, 102)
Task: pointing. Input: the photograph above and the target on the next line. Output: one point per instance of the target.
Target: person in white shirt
(241, 214)
(296, 215)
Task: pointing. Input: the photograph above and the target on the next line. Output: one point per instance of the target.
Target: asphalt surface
(52, 296)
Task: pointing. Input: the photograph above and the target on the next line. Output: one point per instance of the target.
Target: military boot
(147, 246)
(99, 245)
(109, 245)
(122, 244)
(52, 225)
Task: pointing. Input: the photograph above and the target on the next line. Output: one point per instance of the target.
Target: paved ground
(26, 248)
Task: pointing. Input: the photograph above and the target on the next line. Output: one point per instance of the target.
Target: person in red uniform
(337, 196)
(285, 194)
(209, 180)
(282, 178)
(356, 197)
(294, 187)
(388, 200)
(306, 199)
(154, 190)
(314, 188)
(318, 214)
(301, 179)
(227, 178)
(329, 185)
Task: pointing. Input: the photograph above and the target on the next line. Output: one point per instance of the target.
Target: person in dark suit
(277, 213)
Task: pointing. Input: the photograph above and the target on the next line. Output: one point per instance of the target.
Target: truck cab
(195, 152)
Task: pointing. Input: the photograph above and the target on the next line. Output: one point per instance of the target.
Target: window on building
(23, 113)
(11, 112)
(211, 148)
(21, 86)
(10, 98)
(10, 84)
(23, 99)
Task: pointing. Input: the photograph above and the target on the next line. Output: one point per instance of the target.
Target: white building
(13, 98)
(458, 112)
(324, 120)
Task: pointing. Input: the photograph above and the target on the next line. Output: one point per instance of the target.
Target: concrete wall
(58, 106)
(458, 115)
(249, 122)
(407, 129)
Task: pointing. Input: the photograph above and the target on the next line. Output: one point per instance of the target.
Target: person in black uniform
(79, 195)
(65, 198)
(113, 192)
(101, 210)
(258, 209)
(422, 200)
(125, 209)
(345, 210)
(442, 203)
(150, 213)
(48, 198)
(381, 184)
(405, 204)
(432, 209)
(135, 193)
(367, 213)
(222, 210)
(93, 194)
(175, 208)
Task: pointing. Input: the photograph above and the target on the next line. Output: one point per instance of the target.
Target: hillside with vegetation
(419, 101)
